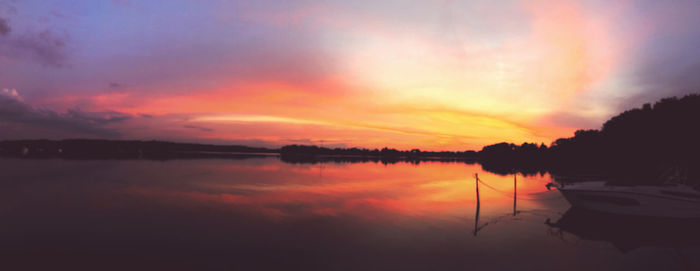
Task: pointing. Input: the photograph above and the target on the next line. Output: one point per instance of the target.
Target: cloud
(21, 120)
(45, 47)
(114, 85)
(203, 129)
(4, 27)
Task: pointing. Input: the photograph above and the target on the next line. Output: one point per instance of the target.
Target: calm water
(263, 214)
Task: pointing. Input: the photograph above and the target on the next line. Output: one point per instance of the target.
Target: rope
(493, 188)
(509, 194)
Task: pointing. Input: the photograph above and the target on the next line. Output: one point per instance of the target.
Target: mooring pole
(515, 192)
(478, 205)
(477, 188)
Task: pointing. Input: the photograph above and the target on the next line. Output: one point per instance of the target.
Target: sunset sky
(435, 75)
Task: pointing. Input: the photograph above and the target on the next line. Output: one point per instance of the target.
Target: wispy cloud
(44, 47)
(203, 129)
(258, 118)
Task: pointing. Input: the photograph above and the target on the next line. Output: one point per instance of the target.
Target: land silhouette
(651, 144)
(642, 145)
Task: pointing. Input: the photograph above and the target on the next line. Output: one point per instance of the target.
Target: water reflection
(627, 233)
(263, 214)
(477, 226)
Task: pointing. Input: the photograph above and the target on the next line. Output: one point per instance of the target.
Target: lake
(265, 214)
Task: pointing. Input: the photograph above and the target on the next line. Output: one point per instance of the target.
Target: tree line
(637, 146)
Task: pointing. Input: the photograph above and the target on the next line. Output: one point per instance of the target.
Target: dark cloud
(4, 27)
(203, 129)
(45, 47)
(21, 120)
(114, 85)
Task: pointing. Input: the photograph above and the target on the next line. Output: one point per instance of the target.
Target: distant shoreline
(159, 150)
(646, 145)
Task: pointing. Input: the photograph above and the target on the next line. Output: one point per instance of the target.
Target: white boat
(677, 201)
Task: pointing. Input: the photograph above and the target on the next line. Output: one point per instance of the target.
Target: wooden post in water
(477, 188)
(515, 192)
(478, 205)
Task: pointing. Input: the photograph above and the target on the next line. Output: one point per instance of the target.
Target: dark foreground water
(263, 214)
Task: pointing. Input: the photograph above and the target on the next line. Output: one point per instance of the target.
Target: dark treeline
(159, 150)
(507, 158)
(641, 145)
(119, 149)
(313, 154)
(303, 159)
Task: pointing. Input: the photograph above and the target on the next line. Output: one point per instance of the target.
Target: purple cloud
(4, 27)
(44, 47)
(21, 120)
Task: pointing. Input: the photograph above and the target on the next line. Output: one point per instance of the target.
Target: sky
(434, 75)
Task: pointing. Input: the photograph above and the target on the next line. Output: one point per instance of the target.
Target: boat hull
(633, 203)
